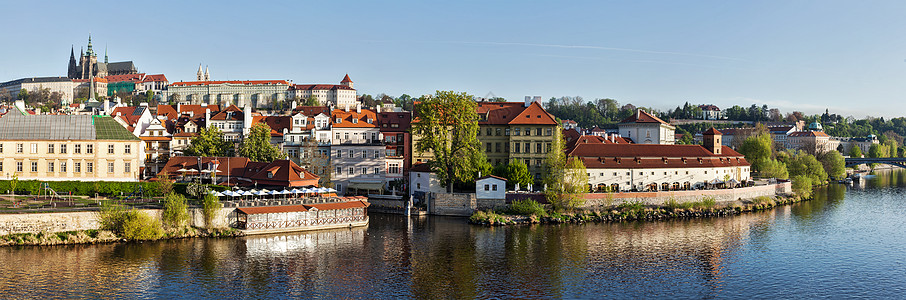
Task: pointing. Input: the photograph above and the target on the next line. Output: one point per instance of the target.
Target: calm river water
(849, 242)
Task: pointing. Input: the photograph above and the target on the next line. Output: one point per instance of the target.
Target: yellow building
(67, 147)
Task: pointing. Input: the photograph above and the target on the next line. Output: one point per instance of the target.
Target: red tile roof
(808, 133)
(196, 110)
(346, 118)
(642, 116)
(403, 120)
(318, 87)
(127, 114)
(311, 111)
(237, 82)
(515, 113)
(633, 156)
(285, 173)
(491, 176)
(125, 77)
(232, 113)
(421, 167)
(156, 78)
(276, 123)
(712, 131)
(346, 79)
(298, 208)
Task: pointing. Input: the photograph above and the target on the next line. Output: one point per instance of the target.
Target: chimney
(537, 99)
(207, 114)
(247, 120)
(178, 107)
(106, 107)
(119, 114)
(346, 108)
(528, 101)
(378, 108)
(358, 108)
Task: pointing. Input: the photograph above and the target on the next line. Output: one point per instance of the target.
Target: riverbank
(635, 211)
(94, 236)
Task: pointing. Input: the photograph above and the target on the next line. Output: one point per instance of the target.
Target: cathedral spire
(90, 51)
(105, 54)
(200, 76)
(207, 76)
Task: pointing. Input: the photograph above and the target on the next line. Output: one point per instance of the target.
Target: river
(848, 242)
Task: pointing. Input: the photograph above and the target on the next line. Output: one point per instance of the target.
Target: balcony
(359, 142)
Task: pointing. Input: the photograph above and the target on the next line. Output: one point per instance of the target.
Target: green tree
(875, 151)
(23, 95)
(209, 142)
(518, 173)
(210, 206)
(311, 101)
(176, 211)
(833, 163)
(447, 127)
(855, 151)
(802, 186)
(565, 179)
(772, 168)
(757, 148)
(806, 165)
(257, 146)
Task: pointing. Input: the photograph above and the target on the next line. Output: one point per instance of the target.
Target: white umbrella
(247, 193)
(331, 190)
(323, 190)
(253, 191)
(218, 194)
(227, 193)
(285, 192)
(296, 191)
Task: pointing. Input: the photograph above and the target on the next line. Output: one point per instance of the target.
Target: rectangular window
(528, 132)
(494, 187)
(351, 171)
(110, 167)
(538, 148)
(497, 147)
(77, 167)
(538, 162)
(489, 131)
(377, 170)
(110, 149)
(63, 166)
(516, 147)
(89, 148)
(1, 166)
(20, 148)
(489, 147)
(1, 147)
(549, 132)
(497, 130)
(34, 148)
(89, 167)
(50, 149)
(487, 187)
(62, 148)
(538, 131)
(34, 166)
(339, 170)
(528, 147)
(50, 167)
(515, 131)
(77, 149)
(18, 166)
(507, 132)
(128, 149)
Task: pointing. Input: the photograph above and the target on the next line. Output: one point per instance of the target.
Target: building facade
(341, 95)
(645, 128)
(67, 147)
(242, 93)
(357, 153)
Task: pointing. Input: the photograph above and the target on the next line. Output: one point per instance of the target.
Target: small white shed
(490, 187)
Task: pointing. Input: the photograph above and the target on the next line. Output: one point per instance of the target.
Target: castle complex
(88, 65)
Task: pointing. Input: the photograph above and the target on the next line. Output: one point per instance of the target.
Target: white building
(357, 153)
(640, 167)
(336, 95)
(422, 181)
(62, 85)
(235, 123)
(645, 128)
(490, 187)
(255, 93)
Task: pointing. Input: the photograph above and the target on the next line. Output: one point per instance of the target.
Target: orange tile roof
(635, 156)
(125, 77)
(712, 131)
(316, 87)
(514, 113)
(346, 79)
(156, 78)
(299, 208)
(346, 118)
(284, 173)
(242, 82)
(276, 123)
(230, 113)
(534, 115)
(642, 116)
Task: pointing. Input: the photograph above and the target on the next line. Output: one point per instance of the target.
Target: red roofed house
(240, 171)
(341, 95)
(394, 128)
(157, 142)
(309, 122)
(514, 130)
(235, 123)
(811, 141)
(357, 152)
(134, 118)
(645, 128)
(652, 167)
(710, 112)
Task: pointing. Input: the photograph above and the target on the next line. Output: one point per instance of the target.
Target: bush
(527, 207)
(176, 211)
(802, 186)
(211, 205)
(708, 202)
(129, 224)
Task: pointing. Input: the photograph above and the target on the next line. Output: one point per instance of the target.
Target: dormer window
(270, 174)
(302, 175)
(355, 121)
(339, 121)
(370, 121)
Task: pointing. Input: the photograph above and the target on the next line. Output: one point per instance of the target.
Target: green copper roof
(107, 128)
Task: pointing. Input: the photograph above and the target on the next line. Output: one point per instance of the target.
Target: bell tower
(711, 140)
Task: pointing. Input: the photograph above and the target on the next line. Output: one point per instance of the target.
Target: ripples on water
(848, 242)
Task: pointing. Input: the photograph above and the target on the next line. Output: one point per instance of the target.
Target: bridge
(894, 161)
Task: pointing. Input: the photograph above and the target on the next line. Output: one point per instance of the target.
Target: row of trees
(256, 146)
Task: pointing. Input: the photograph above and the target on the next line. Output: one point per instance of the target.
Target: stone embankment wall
(659, 198)
(452, 204)
(87, 220)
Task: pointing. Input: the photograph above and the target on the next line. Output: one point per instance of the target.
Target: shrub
(802, 186)
(708, 202)
(211, 205)
(140, 226)
(176, 211)
(527, 207)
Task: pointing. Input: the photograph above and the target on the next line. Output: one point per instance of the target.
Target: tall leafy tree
(565, 179)
(447, 126)
(209, 142)
(257, 146)
(518, 173)
(833, 163)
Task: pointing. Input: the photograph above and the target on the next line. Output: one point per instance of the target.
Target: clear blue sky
(849, 57)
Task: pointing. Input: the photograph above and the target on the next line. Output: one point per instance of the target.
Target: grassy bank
(630, 211)
(103, 236)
